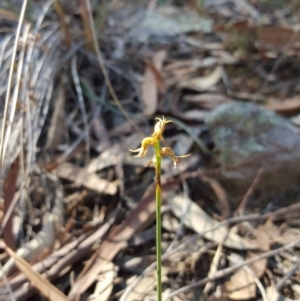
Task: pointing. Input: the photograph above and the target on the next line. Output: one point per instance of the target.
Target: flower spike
(154, 141)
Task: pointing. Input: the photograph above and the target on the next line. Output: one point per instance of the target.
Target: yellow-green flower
(151, 141)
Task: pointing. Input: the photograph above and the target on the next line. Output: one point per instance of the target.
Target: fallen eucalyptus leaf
(42, 284)
(197, 219)
(202, 83)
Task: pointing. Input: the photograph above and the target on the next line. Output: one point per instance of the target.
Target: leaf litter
(86, 81)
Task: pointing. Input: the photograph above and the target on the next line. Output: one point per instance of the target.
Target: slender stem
(158, 220)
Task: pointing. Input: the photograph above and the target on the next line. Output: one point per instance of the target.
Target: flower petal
(141, 152)
(160, 127)
(167, 151)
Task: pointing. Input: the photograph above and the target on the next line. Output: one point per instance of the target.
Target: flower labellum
(142, 151)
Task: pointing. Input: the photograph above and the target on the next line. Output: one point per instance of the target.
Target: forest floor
(84, 83)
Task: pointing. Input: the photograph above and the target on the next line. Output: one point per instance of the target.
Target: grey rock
(168, 21)
(248, 138)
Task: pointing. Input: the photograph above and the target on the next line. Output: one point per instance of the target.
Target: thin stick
(81, 107)
(222, 273)
(158, 219)
(7, 284)
(280, 283)
(241, 208)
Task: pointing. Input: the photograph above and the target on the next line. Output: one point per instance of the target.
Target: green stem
(158, 220)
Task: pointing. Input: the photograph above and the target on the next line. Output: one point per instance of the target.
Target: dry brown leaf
(207, 101)
(105, 285)
(274, 295)
(197, 219)
(57, 263)
(57, 125)
(80, 176)
(107, 158)
(213, 269)
(289, 107)
(178, 297)
(149, 92)
(143, 289)
(241, 286)
(282, 237)
(185, 67)
(44, 239)
(152, 83)
(63, 22)
(116, 241)
(271, 230)
(9, 193)
(174, 76)
(267, 37)
(238, 26)
(7, 14)
(137, 264)
(289, 235)
(203, 83)
(216, 296)
(158, 60)
(170, 223)
(88, 35)
(277, 38)
(258, 267)
(42, 284)
(193, 115)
